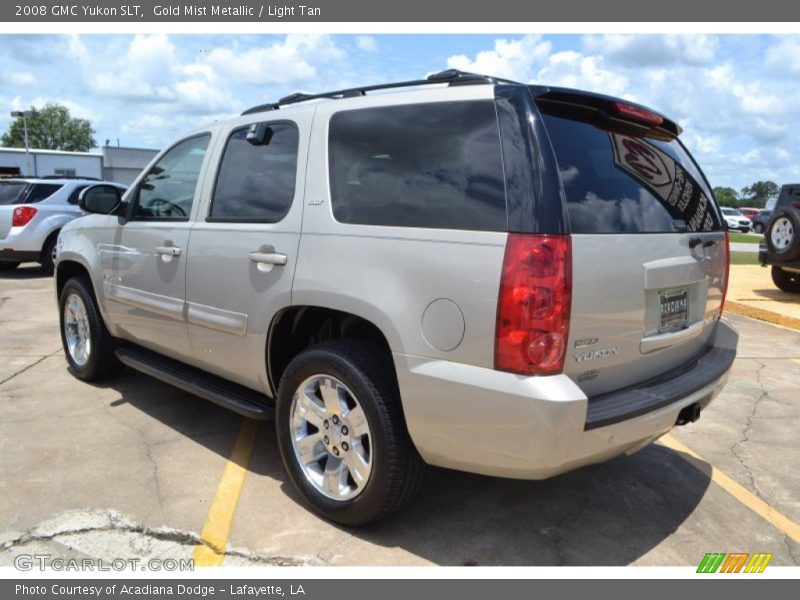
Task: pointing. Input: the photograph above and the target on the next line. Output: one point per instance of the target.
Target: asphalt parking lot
(135, 468)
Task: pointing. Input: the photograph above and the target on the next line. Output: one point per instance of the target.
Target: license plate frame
(673, 309)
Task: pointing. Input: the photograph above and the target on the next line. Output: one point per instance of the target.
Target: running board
(227, 394)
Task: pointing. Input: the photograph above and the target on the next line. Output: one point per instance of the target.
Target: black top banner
(440, 11)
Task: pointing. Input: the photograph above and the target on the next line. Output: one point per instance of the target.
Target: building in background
(122, 165)
(112, 163)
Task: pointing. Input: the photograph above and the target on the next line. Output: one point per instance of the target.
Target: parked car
(780, 247)
(762, 220)
(735, 219)
(475, 274)
(749, 212)
(32, 212)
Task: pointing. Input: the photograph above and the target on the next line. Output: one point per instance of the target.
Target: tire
(783, 234)
(786, 280)
(48, 251)
(362, 375)
(96, 360)
(8, 266)
(758, 228)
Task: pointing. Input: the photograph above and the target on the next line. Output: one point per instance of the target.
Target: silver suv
(470, 273)
(32, 212)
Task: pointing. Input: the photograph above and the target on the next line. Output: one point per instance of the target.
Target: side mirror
(102, 199)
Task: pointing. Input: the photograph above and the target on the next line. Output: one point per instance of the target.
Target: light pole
(25, 114)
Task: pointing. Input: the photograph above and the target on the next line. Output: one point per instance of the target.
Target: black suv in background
(780, 247)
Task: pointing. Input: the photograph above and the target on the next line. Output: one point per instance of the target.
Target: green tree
(726, 196)
(51, 128)
(756, 195)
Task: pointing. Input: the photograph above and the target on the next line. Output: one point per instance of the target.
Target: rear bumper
(11, 255)
(495, 423)
(25, 241)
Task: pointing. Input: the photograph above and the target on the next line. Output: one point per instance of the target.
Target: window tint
(38, 192)
(256, 183)
(425, 165)
(621, 183)
(11, 192)
(167, 191)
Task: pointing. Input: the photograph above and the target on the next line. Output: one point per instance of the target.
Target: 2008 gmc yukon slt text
(471, 273)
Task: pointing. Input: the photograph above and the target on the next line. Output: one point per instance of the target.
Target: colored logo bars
(736, 562)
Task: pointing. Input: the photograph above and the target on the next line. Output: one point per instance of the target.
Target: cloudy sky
(737, 97)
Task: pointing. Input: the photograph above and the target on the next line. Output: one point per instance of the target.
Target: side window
(424, 165)
(256, 182)
(73, 197)
(167, 191)
(40, 191)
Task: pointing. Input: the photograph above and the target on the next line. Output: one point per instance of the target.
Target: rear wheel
(786, 280)
(758, 228)
(783, 235)
(88, 346)
(8, 266)
(342, 435)
(49, 254)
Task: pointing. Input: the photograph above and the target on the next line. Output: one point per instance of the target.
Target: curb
(762, 315)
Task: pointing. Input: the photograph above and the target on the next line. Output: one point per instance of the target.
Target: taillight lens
(727, 273)
(533, 308)
(22, 216)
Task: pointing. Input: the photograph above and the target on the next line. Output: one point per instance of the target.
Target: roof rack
(450, 76)
(68, 177)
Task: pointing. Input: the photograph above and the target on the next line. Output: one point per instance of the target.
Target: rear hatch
(649, 252)
(15, 192)
(12, 192)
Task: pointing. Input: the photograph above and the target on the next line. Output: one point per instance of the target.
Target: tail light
(533, 308)
(22, 216)
(637, 113)
(727, 273)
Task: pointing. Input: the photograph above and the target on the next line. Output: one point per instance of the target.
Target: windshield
(11, 192)
(731, 212)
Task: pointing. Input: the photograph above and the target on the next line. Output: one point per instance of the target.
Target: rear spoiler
(605, 109)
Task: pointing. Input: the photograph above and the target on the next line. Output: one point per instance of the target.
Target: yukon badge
(599, 353)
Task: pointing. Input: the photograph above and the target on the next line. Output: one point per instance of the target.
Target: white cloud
(21, 79)
(784, 56)
(654, 50)
(511, 59)
(296, 58)
(572, 69)
(367, 43)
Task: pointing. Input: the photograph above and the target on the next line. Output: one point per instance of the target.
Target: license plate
(673, 309)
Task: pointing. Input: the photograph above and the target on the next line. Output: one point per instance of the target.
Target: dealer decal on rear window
(665, 178)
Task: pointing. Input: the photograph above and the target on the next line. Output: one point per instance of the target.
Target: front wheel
(786, 280)
(88, 346)
(342, 435)
(758, 228)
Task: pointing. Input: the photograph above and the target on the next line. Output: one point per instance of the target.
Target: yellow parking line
(756, 312)
(742, 494)
(220, 516)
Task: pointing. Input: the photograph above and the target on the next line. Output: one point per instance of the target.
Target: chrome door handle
(268, 258)
(168, 250)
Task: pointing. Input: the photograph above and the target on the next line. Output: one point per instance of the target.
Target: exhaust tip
(688, 414)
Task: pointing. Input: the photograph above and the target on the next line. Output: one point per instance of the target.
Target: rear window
(432, 165)
(26, 193)
(619, 182)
